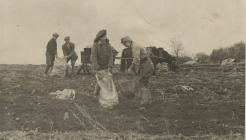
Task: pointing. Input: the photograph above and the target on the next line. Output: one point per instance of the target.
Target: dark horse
(157, 55)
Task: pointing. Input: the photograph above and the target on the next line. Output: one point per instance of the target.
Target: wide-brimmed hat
(67, 38)
(55, 35)
(100, 34)
(126, 39)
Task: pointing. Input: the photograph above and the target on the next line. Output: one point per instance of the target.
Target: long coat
(51, 51)
(101, 56)
(51, 47)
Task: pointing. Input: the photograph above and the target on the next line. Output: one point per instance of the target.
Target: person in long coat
(101, 55)
(51, 53)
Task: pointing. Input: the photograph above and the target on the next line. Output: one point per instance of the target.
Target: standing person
(69, 52)
(101, 55)
(51, 53)
(142, 66)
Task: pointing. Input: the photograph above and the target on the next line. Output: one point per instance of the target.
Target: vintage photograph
(122, 69)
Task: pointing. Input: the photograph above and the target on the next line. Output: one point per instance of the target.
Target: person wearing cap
(101, 55)
(142, 65)
(51, 53)
(69, 52)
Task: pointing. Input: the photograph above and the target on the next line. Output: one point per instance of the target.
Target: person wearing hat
(101, 55)
(51, 53)
(69, 52)
(141, 66)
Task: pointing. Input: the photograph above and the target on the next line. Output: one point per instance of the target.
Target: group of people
(68, 52)
(102, 56)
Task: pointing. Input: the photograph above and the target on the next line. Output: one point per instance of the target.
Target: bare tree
(177, 47)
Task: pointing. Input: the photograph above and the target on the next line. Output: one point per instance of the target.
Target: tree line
(235, 51)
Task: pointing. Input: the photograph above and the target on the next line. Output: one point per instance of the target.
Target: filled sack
(131, 88)
(59, 68)
(128, 86)
(108, 95)
(143, 96)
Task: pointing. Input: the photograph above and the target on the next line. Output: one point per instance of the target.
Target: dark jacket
(51, 48)
(101, 56)
(126, 60)
(69, 50)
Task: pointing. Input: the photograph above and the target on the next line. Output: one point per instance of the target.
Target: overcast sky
(201, 25)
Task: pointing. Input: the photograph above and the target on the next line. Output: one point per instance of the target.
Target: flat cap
(126, 39)
(56, 35)
(101, 33)
(67, 38)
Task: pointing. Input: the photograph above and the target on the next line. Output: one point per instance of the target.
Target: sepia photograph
(122, 69)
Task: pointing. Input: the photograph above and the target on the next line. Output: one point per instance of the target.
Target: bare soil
(215, 106)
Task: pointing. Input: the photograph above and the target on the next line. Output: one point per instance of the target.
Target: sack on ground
(59, 68)
(144, 96)
(66, 94)
(108, 94)
(128, 86)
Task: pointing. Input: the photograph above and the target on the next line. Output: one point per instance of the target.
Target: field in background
(214, 110)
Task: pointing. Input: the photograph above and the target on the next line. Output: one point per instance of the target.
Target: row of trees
(236, 51)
